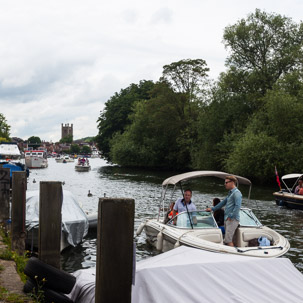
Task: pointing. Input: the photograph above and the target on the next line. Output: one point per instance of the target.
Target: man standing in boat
(232, 205)
(184, 204)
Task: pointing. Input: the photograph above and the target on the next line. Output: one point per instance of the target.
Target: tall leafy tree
(4, 129)
(262, 48)
(115, 116)
(157, 136)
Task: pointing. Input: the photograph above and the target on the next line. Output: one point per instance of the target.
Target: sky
(61, 60)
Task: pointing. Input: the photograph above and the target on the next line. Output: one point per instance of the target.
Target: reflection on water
(145, 187)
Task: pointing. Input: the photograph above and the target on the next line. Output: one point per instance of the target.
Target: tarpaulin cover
(74, 220)
(187, 274)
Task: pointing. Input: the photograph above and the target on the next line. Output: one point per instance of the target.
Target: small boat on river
(199, 229)
(36, 158)
(287, 196)
(82, 165)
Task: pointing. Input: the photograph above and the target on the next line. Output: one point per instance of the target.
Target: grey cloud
(162, 15)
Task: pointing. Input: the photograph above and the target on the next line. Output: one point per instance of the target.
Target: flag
(277, 178)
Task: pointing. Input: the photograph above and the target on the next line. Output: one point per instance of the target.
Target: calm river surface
(145, 187)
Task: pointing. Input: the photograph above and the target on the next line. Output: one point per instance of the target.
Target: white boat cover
(9, 149)
(74, 221)
(203, 173)
(187, 274)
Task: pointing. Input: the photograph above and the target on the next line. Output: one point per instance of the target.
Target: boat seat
(244, 235)
(212, 235)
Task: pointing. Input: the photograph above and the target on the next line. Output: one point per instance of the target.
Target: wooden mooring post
(4, 194)
(51, 198)
(114, 250)
(18, 211)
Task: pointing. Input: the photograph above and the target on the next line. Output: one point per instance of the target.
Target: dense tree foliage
(115, 116)
(74, 149)
(246, 123)
(34, 142)
(67, 139)
(4, 129)
(86, 149)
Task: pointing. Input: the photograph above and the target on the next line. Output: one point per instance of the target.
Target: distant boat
(36, 158)
(95, 153)
(82, 165)
(287, 196)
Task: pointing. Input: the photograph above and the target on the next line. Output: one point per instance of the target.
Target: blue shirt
(233, 204)
(180, 206)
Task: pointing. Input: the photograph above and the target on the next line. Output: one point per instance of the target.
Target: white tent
(191, 275)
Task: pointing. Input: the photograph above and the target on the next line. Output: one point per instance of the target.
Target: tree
(74, 149)
(34, 142)
(67, 139)
(115, 116)
(158, 135)
(86, 149)
(186, 76)
(262, 48)
(273, 136)
(4, 129)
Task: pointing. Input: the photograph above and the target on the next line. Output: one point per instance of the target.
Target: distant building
(66, 130)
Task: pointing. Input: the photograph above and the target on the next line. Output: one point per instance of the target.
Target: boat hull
(36, 162)
(82, 168)
(289, 200)
(212, 239)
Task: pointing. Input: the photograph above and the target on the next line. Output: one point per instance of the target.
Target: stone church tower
(66, 130)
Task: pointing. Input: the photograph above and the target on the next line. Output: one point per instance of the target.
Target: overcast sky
(61, 60)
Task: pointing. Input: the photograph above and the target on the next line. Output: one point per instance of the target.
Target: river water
(145, 187)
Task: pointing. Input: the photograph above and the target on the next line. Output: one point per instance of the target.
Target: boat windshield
(247, 218)
(193, 219)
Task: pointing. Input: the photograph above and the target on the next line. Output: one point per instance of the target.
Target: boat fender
(140, 228)
(159, 245)
(177, 244)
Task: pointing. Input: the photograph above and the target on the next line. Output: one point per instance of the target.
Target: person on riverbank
(232, 205)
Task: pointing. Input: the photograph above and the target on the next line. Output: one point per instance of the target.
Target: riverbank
(11, 286)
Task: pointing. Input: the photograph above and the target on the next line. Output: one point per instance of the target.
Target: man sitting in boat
(184, 204)
(233, 203)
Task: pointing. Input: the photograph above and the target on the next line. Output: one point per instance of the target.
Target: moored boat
(75, 223)
(36, 158)
(10, 157)
(199, 229)
(287, 196)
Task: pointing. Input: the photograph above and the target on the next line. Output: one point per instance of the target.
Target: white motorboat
(199, 229)
(286, 196)
(75, 223)
(82, 165)
(59, 159)
(67, 159)
(36, 158)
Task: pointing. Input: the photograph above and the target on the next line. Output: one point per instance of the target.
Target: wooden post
(51, 197)
(4, 194)
(114, 250)
(18, 211)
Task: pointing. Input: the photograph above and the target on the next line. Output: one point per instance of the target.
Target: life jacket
(170, 215)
